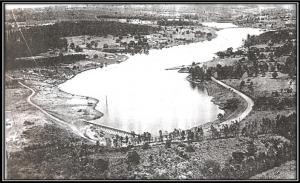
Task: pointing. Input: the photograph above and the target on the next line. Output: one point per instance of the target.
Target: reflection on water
(193, 85)
(141, 95)
(198, 87)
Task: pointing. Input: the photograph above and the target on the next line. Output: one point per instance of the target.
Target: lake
(140, 95)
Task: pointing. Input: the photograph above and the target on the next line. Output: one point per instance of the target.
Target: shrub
(211, 169)
(232, 104)
(274, 75)
(78, 49)
(238, 156)
(146, 146)
(183, 155)
(220, 116)
(105, 45)
(181, 145)
(101, 164)
(189, 148)
(242, 84)
(28, 123)
(251, 149)
(130, 146)
(168, 144)
(133, 157)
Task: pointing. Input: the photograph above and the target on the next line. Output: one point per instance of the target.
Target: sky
(15, 6)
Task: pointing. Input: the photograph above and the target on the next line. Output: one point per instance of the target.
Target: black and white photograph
(149, 91)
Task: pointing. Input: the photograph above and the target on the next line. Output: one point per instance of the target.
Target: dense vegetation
(255, 60)
(174, 23)
(42, 38)
(275, 36)
(273, 52)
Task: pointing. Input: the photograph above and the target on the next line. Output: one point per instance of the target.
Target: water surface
(140, 95)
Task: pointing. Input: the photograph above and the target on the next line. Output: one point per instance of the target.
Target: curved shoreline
(240, 116)
(45, 112)
(56, 85)
(250, 102)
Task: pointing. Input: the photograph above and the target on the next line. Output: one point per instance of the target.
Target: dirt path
(85, 135)
(249, 101)
(61, 122)
(82, 133)
(242, 115)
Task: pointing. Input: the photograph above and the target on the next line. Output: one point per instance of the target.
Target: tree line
(276, 37)
(41, 38)
(175, 23)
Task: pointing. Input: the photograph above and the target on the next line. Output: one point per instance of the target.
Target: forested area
(41, 38)
(275, 36)
(175, 23)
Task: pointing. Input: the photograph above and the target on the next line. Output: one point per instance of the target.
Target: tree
(242, 84)
(239, 71)
(105, 45)
(93, 43)
(251, 149)
(72, 46)
(78, 49)
(274, 75)
(220, 116)
(160, 136)
(168, 144)
(229, 51)
(220, 71)
(221, 54)
(133, 157)
(88, 45)
(232, 104)
(62, 43)
(211, 169)
(290, 65)
(209, 35)
(182, 135)
(252, 57)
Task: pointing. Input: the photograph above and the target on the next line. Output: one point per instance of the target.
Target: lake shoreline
(217, 100)
(220, 96)
(55, 101)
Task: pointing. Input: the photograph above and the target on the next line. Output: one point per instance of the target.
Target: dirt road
(249, 101)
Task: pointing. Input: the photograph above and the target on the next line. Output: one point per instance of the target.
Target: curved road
(75, 130)
(85, 133)
(249, 101)
(241, 116)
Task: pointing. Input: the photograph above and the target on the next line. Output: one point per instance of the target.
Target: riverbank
(221, 96)
(272, 103)
(66, 106)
